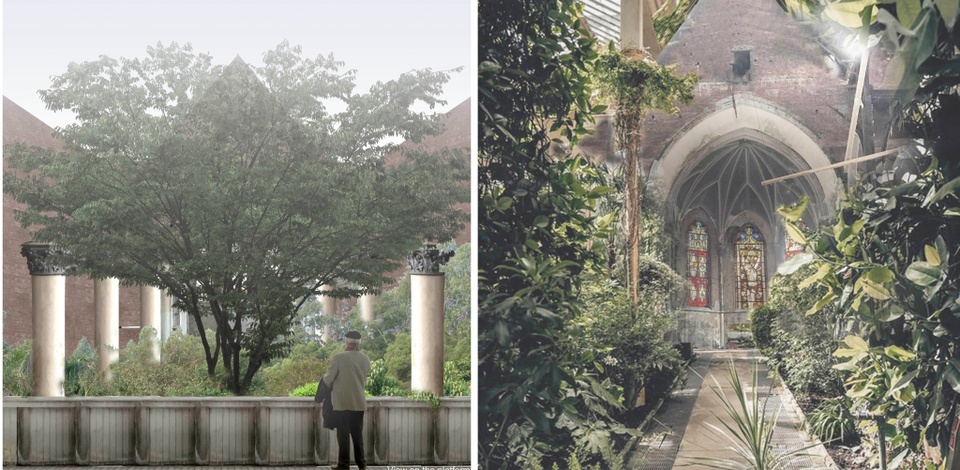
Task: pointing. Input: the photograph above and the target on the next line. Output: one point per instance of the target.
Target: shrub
(381, 384)
(397, 358)
(182, 372)
(80, 370)
(763, 322)
(306, 390)
(306, 363)
(17, 369)
(833, 422)
(456, 378)
(627, 343)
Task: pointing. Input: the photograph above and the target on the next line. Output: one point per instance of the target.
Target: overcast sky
(380, 39)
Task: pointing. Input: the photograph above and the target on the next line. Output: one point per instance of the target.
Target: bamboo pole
(835, 165)
(857, 104)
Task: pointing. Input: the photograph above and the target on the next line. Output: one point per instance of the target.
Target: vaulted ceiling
(727, 182)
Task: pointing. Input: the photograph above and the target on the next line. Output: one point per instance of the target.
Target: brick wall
(787, 69)
(21, 126)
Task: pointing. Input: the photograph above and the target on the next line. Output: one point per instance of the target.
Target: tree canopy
(237, 188)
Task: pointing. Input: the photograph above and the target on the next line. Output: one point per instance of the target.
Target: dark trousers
(350, 426)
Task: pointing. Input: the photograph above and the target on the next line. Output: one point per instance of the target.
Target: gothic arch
(746, 118)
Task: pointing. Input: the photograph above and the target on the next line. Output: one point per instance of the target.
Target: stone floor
(683, 431)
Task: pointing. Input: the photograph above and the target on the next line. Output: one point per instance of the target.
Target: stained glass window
(792, 247)
(697, 273)
(750, 267)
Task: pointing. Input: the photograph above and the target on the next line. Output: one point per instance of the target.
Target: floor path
(679, 433)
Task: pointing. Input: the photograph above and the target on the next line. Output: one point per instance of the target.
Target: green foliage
(180, 373)
(79, 369)
(795, 341)
(308, 389)
(763, 322)
(626, 344)
(534, 225)
(456, 378)
(307, 362)
(889, 263)
(427, 397)
(397, 358)
(18, 369)
(832, 421)
(635, 83)
(235, 189)
(381, 384)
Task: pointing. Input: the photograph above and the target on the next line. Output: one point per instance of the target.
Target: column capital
(41, 259)
(428, 259)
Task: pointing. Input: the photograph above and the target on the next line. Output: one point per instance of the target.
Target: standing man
(347, 376)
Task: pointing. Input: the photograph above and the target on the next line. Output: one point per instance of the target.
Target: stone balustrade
(225, 431)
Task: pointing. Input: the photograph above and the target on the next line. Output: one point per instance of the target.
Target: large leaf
(949, 188)
(856, 343)
(848, 13)
(948, 11)
(907, 11)
(820, 275)
(794, 212)
(922, 273)
(898, 353)
(880, 275)
(872, 289)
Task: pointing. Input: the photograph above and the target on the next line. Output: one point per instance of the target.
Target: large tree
(237, 188)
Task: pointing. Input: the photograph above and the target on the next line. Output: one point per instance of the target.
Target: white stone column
(366, 307)
(166, 316)
(150, 316)
(328, 308)
(426, 321)
(106, 335)
(48, 282)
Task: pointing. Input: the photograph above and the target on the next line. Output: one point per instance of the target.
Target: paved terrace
(679, 433)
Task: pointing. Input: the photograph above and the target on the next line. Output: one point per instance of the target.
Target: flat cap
(352, 334)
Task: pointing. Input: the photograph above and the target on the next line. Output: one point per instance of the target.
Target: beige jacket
(347, 375)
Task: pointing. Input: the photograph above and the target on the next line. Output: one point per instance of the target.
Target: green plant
(456, 378)
(307, 362)
(397, 358)
(17, 369)
(428, 397)
(763, 323)
(889, 262)
(181, 372)
(78, 369)
(833, 422)
(748, 428)
(380, 383)
(306, 390)
(626, 342)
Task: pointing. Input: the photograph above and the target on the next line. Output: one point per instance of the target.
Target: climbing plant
(635, 84)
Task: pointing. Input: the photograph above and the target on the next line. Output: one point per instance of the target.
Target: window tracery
(697, 269)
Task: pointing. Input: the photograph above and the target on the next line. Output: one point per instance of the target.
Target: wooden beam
(828, 167)
(857, 104)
